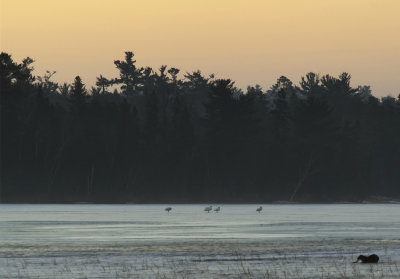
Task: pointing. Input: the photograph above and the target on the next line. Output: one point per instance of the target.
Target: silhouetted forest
(161, 136)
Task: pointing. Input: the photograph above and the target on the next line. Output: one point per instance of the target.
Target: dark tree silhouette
(162, 138)
(130, 77)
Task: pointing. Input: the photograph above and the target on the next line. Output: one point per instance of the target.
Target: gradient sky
(250, 41)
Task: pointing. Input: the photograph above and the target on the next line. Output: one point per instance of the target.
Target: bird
(217, 209)
(368, 259)
(259, 209)
(168, 209)
(208, 208)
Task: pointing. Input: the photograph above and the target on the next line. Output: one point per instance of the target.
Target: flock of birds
(217, 209)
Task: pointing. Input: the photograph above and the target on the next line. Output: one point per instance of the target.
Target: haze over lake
(139, 241)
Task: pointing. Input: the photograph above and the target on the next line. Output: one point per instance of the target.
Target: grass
(202, 267)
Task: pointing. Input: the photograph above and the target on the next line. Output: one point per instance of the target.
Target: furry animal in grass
(367, 259)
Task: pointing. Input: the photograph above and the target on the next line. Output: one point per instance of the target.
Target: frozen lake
(144, 241)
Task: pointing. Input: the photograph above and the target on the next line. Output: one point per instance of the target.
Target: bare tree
(305, 172)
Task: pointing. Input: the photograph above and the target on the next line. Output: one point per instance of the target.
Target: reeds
(237, 266)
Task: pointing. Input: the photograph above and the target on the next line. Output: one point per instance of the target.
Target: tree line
(158, 136)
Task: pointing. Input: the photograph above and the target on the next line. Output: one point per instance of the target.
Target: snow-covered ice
(144, 241)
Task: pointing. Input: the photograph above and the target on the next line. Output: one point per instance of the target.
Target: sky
(249, 41)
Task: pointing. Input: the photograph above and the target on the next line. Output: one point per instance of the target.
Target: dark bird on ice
(168, 209)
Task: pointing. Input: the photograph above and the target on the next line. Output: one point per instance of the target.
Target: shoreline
(393, 201)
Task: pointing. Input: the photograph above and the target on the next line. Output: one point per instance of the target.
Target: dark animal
(368, 259)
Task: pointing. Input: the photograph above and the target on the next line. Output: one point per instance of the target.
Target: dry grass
(201, 267)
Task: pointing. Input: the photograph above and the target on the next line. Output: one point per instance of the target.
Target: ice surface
(144, 241)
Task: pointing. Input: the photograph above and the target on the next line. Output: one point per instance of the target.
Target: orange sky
(250, 41)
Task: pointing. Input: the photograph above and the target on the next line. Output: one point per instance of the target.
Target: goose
(367, 259)
(208, 208)
(217, 209)
(168, 209)
(259, 209)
